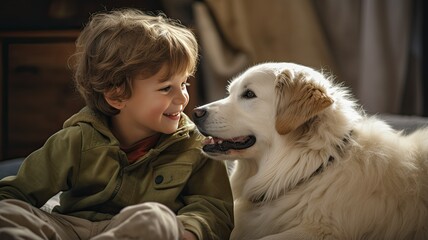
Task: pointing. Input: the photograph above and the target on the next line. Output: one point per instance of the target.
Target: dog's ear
(298, 100)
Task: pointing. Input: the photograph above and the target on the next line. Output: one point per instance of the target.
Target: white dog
(310, 164)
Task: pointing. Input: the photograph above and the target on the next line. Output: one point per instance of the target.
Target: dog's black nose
(199, 113)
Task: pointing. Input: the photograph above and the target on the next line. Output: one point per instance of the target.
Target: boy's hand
(187, 235)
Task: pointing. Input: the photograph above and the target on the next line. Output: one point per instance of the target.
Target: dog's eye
(249, 94)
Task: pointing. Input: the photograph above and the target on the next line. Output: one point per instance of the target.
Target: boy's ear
(112, 100)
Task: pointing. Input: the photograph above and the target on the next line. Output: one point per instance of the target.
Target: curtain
(373, 47)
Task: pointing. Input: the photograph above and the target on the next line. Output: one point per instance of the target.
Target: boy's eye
(165, 89)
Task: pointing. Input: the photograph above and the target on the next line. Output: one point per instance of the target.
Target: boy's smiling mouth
(173, 116)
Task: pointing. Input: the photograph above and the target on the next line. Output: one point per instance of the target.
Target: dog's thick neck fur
(331, 127)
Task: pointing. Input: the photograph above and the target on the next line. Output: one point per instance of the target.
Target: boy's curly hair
(115, 46)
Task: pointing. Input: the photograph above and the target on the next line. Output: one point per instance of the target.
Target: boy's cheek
(187, 101)
(156, 111)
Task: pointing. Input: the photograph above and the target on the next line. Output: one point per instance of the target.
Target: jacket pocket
(171, 175)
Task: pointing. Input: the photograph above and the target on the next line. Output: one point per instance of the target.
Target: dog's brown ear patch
(298, 100)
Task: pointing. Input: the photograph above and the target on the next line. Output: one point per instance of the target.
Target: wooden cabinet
(37, 90)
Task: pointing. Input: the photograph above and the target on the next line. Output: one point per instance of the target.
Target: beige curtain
(372, 44)
(364, 43)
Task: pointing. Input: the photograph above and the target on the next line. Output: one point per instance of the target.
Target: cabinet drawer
(40, 94)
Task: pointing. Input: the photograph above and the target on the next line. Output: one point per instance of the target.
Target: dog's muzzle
(214, 144)
(199, 117)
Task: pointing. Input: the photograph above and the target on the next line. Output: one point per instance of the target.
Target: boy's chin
(170, 130)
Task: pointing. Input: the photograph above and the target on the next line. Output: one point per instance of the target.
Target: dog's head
(266, 101)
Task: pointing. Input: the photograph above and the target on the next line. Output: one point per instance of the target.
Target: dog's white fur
(320, 168)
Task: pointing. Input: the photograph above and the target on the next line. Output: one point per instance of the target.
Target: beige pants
(147, 221)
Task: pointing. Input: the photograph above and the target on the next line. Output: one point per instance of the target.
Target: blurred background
(374, 47)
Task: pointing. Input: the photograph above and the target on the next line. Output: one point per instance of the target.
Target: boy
(129, 165)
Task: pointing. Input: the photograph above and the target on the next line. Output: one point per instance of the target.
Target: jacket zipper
(119, 181)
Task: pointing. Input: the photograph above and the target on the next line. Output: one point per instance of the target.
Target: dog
(310, 163)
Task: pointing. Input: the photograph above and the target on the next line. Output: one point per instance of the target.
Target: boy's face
(155, 105)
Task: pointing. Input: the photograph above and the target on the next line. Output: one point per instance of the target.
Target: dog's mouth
(221, 145)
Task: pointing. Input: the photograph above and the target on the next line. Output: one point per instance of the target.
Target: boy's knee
(20, 219)
(10, 201)
(157, 209)
(152, 209)
(17, 233)
(154, 219)
(8, 204)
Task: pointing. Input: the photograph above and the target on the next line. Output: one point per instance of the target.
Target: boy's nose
(181, 97)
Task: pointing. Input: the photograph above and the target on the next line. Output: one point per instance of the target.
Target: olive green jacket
(84, 161)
